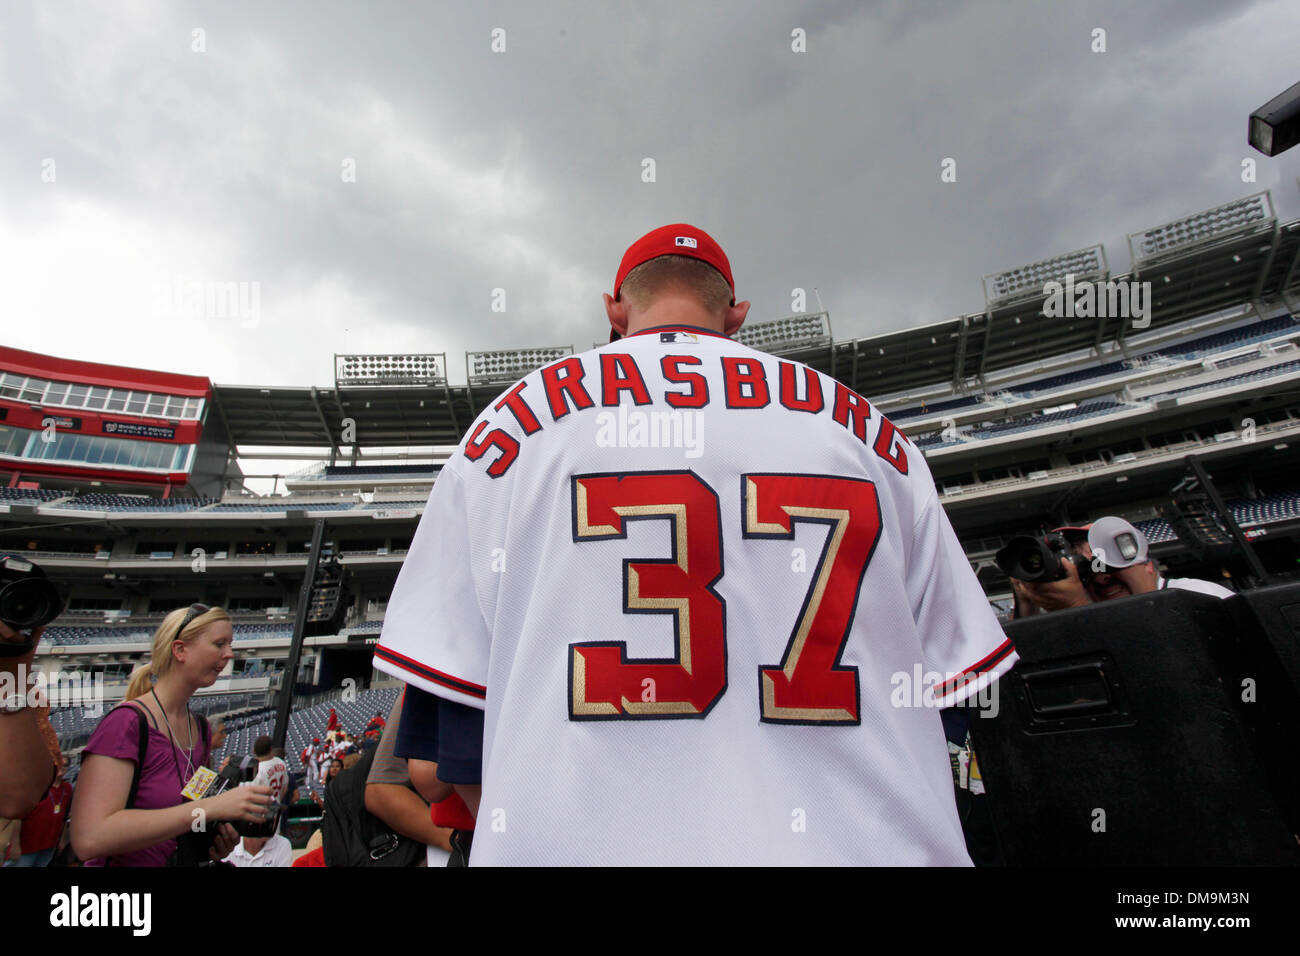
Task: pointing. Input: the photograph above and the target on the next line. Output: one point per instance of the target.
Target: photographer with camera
(1077, 566)
(28, 601)
(147, 756)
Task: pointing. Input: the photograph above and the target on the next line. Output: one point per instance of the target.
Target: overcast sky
(375, 170)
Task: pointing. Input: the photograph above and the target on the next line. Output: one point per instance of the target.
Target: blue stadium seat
(1257, 375)
(1222, 341)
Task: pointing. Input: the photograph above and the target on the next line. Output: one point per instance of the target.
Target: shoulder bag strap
(144, 719)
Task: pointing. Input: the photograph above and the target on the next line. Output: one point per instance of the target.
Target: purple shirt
(118, 735)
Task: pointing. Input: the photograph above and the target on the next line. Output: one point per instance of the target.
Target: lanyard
(175, 746)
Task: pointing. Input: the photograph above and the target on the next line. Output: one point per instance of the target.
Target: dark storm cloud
(522, 170)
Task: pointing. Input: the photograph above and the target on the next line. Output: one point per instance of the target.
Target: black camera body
(28, 600)
(1038, 560)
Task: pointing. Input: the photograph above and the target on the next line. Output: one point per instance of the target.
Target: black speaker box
(1277, 609)
(1148, 731)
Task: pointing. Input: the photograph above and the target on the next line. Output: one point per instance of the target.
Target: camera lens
(25, 604)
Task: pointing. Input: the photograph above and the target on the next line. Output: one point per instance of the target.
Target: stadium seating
(1284, 506)
(936, 440)
(103, 502)
(1052, 382)
(306, 724)
(1279, 507)
(1233, 338)
(69, 636)
(1088, 409)
(1197, 348)
(30, 494)
(262, 631)
(1157, 530)
(350, 473)
(935, 408)
(72, 636)
(243, 729)
(1262, 373)
(285, 504)
(73, 725)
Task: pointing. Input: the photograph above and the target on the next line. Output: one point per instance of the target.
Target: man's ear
(617, 312)
(734, 318)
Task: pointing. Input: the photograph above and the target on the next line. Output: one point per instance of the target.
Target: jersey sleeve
(960, 634)
(417, 737)
(435, 636)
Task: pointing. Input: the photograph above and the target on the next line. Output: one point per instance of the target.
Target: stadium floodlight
(779, 335)
(1212, 224)
(427, 369)
(1275, 126)
(509, 365)
(1028, 282)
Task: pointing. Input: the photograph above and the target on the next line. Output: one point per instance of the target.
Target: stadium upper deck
(1211, 270)
(1024, 419)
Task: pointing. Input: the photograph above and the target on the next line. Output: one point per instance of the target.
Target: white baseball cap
(1117, 542)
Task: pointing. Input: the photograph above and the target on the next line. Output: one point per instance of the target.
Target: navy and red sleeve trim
(449, 681)
(954, 684)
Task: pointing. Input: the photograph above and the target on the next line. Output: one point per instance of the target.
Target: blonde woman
(112, 826)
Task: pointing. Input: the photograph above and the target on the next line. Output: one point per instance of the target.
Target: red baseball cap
(677, 239)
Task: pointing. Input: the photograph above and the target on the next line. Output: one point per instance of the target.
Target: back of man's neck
(674, 311)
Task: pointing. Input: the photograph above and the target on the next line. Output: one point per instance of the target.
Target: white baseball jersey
(274, 773)
(709, 602)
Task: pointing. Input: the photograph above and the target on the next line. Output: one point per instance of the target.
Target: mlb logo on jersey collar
(678, 338)
(681, 334)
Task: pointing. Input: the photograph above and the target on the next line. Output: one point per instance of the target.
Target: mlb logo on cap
(674, 240)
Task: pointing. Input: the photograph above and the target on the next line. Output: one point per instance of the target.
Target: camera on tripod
(1038, 560)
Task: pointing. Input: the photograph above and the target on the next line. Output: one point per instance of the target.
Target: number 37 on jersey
(808, 685)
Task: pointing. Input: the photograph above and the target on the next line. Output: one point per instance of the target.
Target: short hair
(262, 746)
(676, 273)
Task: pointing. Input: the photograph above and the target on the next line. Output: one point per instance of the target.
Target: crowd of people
(129, 809)
(319, 757)
(148, 757)
(407, 789)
